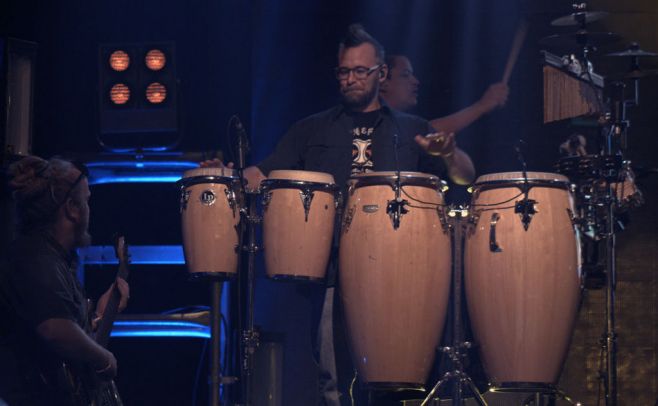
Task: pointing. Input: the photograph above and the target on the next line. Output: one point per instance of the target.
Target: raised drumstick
(519, 37)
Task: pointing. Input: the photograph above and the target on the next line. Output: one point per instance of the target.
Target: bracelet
(107, 368)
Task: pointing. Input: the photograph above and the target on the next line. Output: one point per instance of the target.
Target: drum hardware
(184, 198)
(455, 351)
(493, 245)
(525, 208)
(395, 208)
(230, 197)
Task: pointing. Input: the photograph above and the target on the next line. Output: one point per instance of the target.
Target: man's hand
(124, 290)
(437, 144)
(215, 163)
(495, 96)
(109, 369)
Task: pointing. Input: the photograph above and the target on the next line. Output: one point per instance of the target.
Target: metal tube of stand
(215, 337)
(611, 285)
(249, 335)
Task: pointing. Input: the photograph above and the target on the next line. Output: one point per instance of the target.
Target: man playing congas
(360, 135)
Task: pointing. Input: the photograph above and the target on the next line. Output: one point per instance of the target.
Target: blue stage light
(159, 328)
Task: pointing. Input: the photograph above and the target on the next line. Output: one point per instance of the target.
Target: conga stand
(456, 351)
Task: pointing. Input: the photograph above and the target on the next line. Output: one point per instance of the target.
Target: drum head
(390, 178)
(306, 176)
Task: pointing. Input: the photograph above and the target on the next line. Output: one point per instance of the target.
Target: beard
(357, 101)
(82, 236)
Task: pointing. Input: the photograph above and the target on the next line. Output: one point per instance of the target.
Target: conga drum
(394, 282)
(210, 205)
(299, 211)
(522, 285)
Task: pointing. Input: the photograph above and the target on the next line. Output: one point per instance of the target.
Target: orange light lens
(156, 93)
(119, 61)
(155, 59)
(120, 94)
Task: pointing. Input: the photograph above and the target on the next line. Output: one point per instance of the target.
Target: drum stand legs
(455, 352)
(249, 336)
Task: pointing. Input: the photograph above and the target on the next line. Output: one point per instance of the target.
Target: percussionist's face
(360, 93)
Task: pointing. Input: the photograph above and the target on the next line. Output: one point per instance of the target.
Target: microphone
(396, 208)
(526, 206)
(242, 141)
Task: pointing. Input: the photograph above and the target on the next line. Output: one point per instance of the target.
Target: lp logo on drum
(207, 197)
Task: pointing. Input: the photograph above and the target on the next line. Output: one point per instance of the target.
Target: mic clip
(526, 209)
(395, 209)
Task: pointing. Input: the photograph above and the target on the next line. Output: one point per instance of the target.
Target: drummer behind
(400, 92)
(359, 135)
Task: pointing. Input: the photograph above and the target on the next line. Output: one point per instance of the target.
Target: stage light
(120, 94)
(142, 110)
(156, 93)
(119, 61)
(155, 59)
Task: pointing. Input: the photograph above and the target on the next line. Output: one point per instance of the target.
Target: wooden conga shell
(296, 246)
(209, 223)
(394, 283)
(522, 301)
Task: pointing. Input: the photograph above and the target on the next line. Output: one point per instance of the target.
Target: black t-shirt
(324, 142)
(363, 129)
(37, 282)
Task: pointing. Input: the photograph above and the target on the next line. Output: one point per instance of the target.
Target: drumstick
(519, 37)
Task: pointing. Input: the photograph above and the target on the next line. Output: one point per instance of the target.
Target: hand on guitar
(108, 370)
(124, 290)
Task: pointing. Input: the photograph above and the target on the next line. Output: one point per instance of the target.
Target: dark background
(271, 62)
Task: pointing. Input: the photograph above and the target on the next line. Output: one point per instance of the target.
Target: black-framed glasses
(84, 173)
(360, 72)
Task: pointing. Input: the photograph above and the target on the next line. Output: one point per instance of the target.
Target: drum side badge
(207, 197)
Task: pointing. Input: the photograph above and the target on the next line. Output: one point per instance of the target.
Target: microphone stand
(249, 336)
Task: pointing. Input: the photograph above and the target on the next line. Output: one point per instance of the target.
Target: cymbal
(633, 50)
(578, 18)
(634, 74)
(580, 38)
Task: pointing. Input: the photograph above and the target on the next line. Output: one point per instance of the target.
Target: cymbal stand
(613, 143)
(456, 351)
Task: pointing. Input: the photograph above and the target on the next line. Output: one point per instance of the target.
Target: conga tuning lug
(307, 198)
(230, 197)
(347, 220)
(445, 225)
(267, 197)
(493, 244)
(338, 200)
(184, 198)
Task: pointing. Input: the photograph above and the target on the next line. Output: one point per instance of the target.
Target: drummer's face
(360, 93)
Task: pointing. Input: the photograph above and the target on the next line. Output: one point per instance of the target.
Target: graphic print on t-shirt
(362, 130)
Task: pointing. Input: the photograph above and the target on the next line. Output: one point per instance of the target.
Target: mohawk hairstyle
(357, 35)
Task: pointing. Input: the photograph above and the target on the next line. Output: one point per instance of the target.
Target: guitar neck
(111, 309)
